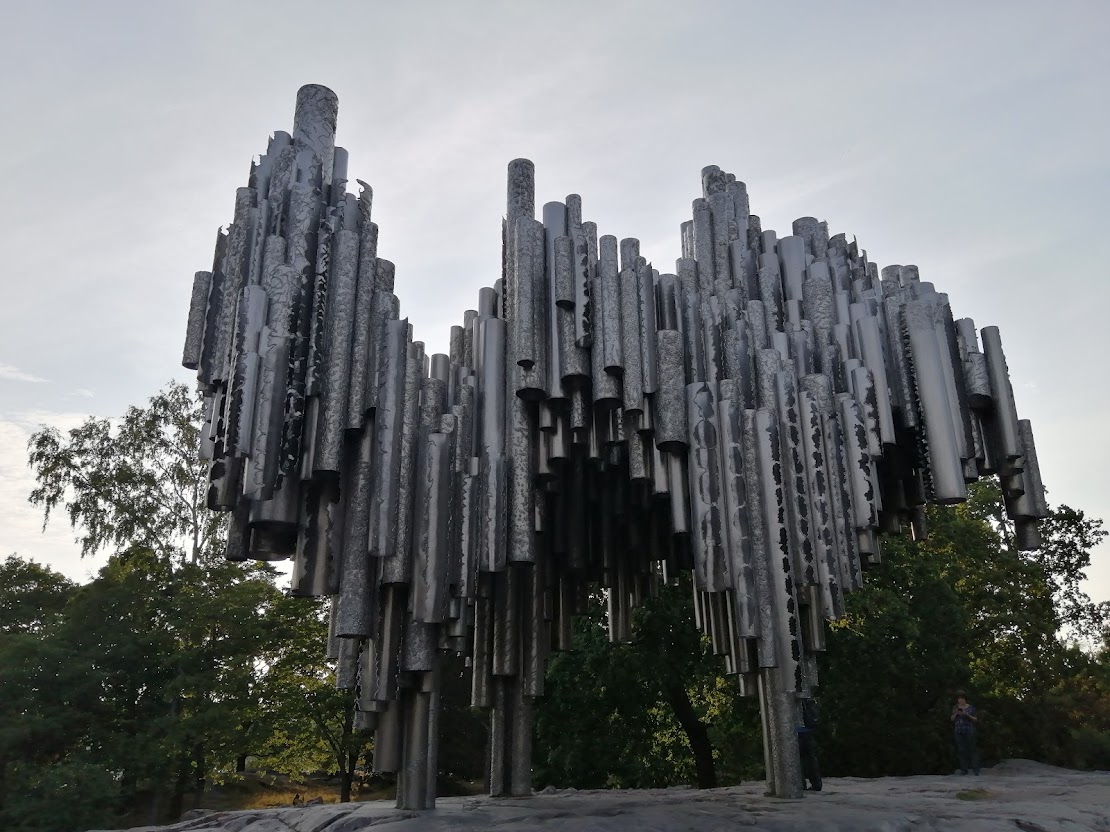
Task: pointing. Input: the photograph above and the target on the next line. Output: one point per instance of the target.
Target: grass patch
(273, 791)
(974, 794)
(262, 795)
(276, 798)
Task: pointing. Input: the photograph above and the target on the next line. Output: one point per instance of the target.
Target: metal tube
(336, 366)
(367, 333)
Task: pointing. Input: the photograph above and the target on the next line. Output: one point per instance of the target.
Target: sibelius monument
(758, 418)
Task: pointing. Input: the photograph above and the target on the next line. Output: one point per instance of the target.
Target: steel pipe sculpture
(758, 417)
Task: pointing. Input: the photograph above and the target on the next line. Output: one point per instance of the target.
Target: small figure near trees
(963, 723)
(807, 745)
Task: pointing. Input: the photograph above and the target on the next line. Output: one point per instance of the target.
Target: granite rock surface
(1014, 795)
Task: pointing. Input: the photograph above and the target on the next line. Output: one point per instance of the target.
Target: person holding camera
(963, 725)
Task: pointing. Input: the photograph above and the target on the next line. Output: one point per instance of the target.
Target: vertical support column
(416, 781)
(520, 739)
(498, 738)
(511, 717)
(769, 767)
(412, 785)
(777, 706)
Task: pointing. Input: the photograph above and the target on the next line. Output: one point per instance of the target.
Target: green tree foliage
(203, 635)
(1068, 538)
(595, 726)
(140, 483)
(1082, 696)
(165, 678)
(32, 596)
(70, 794)
(961, 609)
(463, 730)
(647, 713)
(296, 710)
(48, 699)
(173, 666)
(893, 661)
(308, 723)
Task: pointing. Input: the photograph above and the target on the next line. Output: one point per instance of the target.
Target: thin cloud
(9, 372)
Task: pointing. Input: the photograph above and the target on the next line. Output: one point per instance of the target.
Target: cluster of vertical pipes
(756, 418)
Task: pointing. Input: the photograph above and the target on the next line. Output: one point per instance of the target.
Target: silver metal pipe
(336, 370)
(358, 580)
(397, 566)
(366, 333)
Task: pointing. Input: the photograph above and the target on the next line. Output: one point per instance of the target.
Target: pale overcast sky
(969, 138)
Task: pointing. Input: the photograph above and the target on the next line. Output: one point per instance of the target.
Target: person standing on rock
(963, 725)
(807, 745)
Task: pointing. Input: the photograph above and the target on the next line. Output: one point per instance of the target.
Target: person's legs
(807, 746)
(963, 752)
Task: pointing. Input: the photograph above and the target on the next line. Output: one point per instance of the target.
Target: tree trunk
(241, 759)
(347, 760)
(346, 778)
(180, 786)
(696, 733)
(127, 787)
(346, 775)
(155, 816)
(201, 773)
